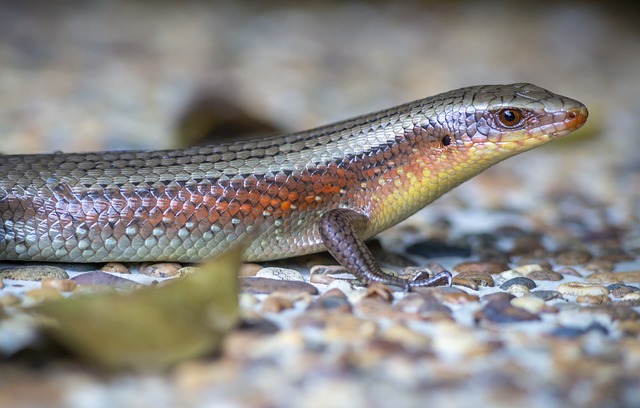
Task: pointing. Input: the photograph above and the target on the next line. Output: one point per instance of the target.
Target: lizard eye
(446, 141)
(510, 117)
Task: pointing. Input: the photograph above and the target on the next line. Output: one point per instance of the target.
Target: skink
(327, 188)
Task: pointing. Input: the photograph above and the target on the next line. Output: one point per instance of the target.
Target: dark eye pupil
(446, 140)
(509, 116)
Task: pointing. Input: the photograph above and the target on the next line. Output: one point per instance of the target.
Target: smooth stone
(572, 257)
(527, 269)
(275, 303)
(547, 294)
(43, 294)
(545, 275)
(188, 270)
(529, 303)
(614, 277)
(503, 312)
(518, 289)
(619, 290)
(593, 299)
(506, 275)
(280, 274)
(631, 297)
(534, 260)
(566, 271)
(258, 285)
(615, 312)
(480, 278)
(105, 279)
(599, 266)
(62, 285)
(519, 281)
(115, 267)
(434, 248)
(333, 300)
(492, 268)
(582, 289)
(323, 274)
(448, 294)
(574, 332)
(249, 269)
(34, 273)
(160, 270)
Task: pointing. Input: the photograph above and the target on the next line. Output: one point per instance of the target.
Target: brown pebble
(43, 294)
(566, 271)
(276, 302)
(375, 307)
(97, 278)
(160, 270)
(620, 290)
(613, 310)
(449, 294)
(599, 266)
(115, 267)
(614, 277)
(459, 280)
(535, 259)
(249, 269)
(264, 285)
(333, 300)
(9, 300)
(503, 312)
(34, 273)
(576, 256)
(582, 289)
(527, 245)
(480, 278)
(545, 275)
(484, 267)
(595, 300)
(62, 285)
(187, 270)
(380, 291)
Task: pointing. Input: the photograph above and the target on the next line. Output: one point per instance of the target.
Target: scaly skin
(326, 188)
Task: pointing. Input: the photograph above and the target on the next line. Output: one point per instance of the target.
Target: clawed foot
(423, 279)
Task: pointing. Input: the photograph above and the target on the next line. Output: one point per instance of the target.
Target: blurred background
(99, 75)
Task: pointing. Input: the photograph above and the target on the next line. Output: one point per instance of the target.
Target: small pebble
(160, 270)
(506, 275)
(399, 333)
(97, 278)
(187, 270)
(518, 289)
(479, 278)
(631, 297)
(34, 273)
(342, 285)
(599, 266)
(534, 260)
(545, 275)
(619, 290)
(332, 300)
(530, 284)
(574, 332)
(485, 267)
(527, 269)
(566, 271)
(614, 277)
(62, 285)
(572, 257)
(449, 295)
(593, 299)
(276, 302)
(9, 300)
(280, 274)
(43, 294)
(529, 303)
(547, 294)
(527, 245)
(503, 312)
(582, 289)
(263, 285)
(249, 269)
(115, 267)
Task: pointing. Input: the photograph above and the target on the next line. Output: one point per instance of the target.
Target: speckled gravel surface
(545, 249)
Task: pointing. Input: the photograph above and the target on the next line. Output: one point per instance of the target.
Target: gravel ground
(545, 306)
